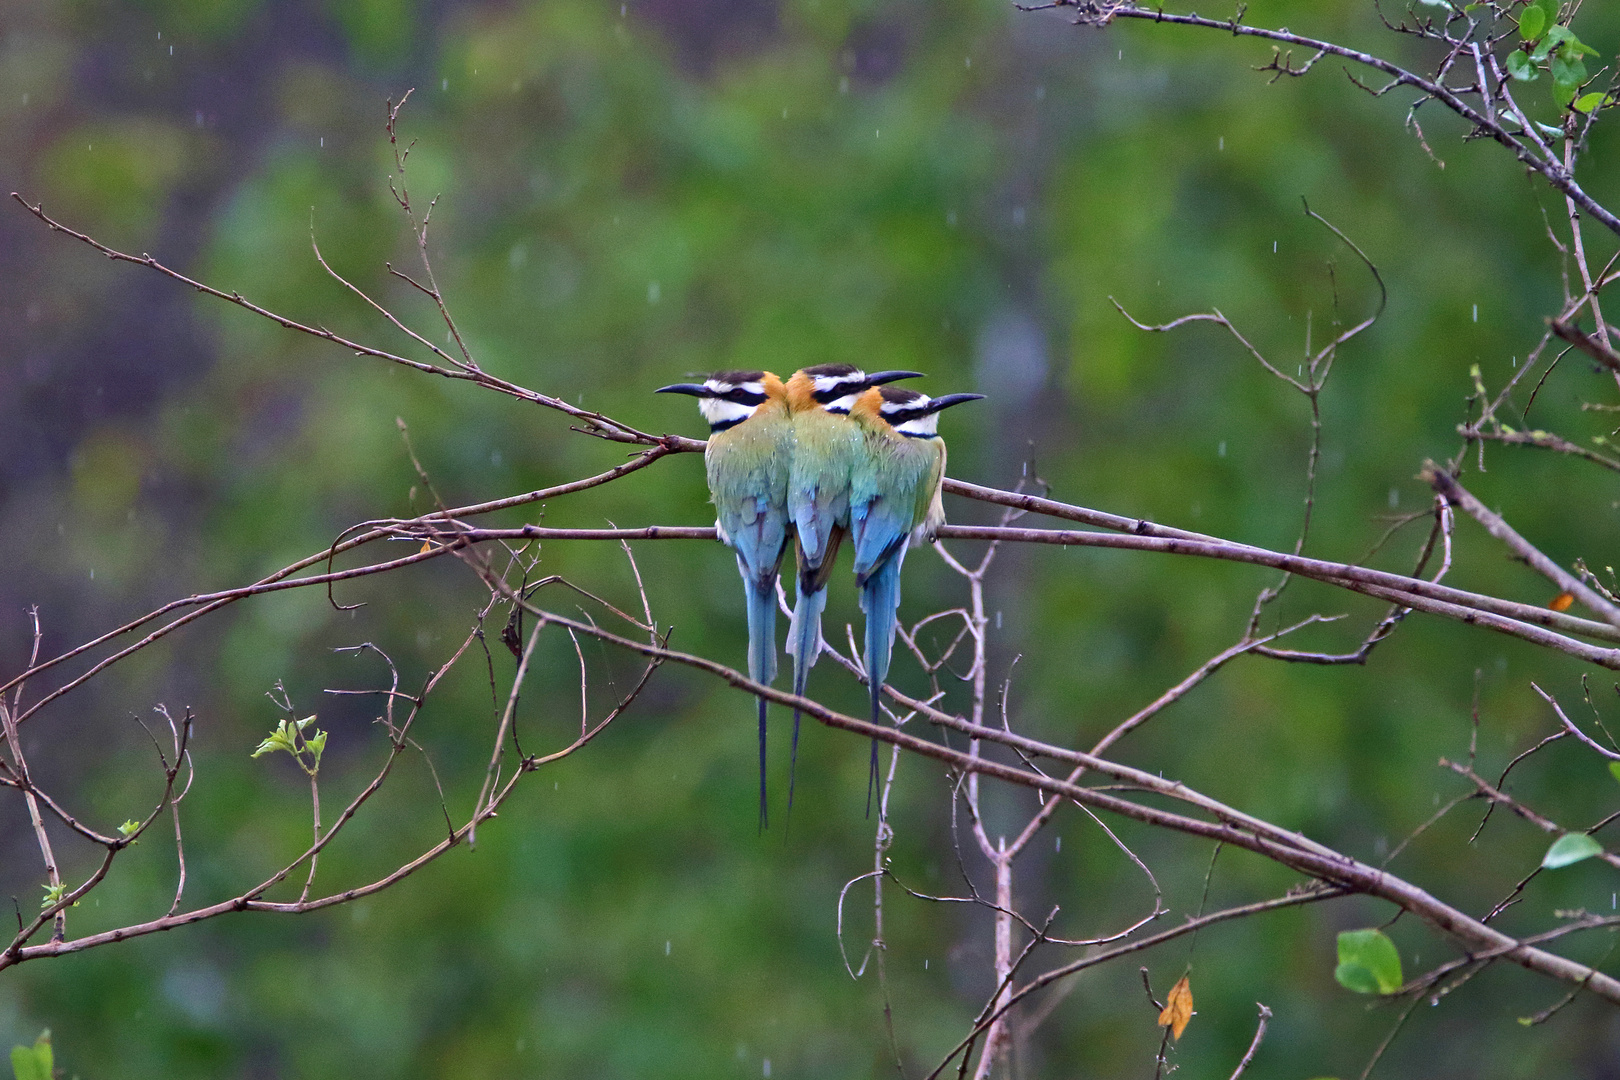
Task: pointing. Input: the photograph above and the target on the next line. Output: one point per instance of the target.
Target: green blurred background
(632, 193)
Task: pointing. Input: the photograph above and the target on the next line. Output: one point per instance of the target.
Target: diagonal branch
(1444, 483)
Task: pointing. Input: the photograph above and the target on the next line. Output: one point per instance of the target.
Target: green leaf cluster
(289, 735)
(1549, 44)
(34, 1062)
(1368, 962)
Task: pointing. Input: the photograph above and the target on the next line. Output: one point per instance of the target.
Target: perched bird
(748, 459)
(894, 500)
(826, 448)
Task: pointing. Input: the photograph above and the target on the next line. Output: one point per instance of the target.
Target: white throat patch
(924, 427)
(720, 411)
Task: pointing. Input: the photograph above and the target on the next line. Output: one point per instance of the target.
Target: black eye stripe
(901, 416)
(843, 388)
(743, 396)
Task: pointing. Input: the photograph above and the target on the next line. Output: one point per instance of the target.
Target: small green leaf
(1356, 978)
(1368, 962)
(1590, 103)
(1614, 769)
(1554, 37)
(1569, 849)
(1532, 22)
(128, 827)
(1563, 94)
(53, 895)
(279, 739)
(34, 1062)
(1520, 67)
(1574, 47)
(1568, 71)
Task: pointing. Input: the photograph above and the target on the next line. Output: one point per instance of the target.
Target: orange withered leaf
(1562, 601)
(1178, 1008)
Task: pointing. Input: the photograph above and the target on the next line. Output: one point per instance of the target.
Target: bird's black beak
(936, 404)
(881, 377)
(695, 389)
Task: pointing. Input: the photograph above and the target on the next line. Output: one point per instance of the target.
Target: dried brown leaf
(1178, 1008)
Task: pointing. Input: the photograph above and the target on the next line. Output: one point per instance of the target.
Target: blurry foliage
(632, 194)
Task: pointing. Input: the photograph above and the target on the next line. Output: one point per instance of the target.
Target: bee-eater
(748, 458)
(894, 500)
(827, 445)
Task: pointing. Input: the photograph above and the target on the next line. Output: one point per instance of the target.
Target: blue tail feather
(762, 630)
(804, 645)
(880, 599)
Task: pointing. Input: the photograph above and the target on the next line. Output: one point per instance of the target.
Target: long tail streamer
(762, 664)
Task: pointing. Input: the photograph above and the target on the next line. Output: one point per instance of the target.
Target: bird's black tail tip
(793, 772)
(764, 814)
(872, 778)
